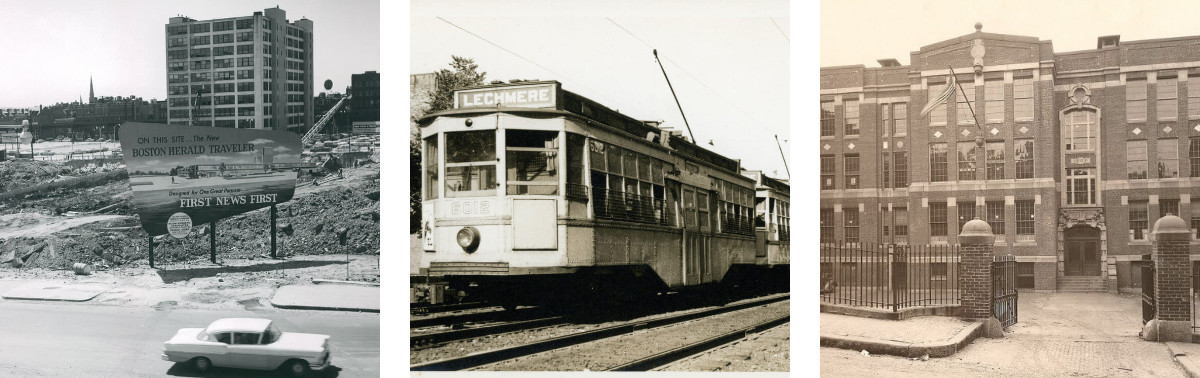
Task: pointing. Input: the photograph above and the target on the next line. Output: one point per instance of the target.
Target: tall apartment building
(247, 72)
(1080, 152)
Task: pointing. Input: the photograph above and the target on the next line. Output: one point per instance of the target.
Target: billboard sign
(206, 173)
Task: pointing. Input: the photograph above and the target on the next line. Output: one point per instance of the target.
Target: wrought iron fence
(1004, 289)
(1148, 298)
(889, 276)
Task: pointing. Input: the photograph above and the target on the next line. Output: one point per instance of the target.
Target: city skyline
(133, 62)
(729, 63)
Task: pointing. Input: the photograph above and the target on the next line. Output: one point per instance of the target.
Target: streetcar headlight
(468, 239)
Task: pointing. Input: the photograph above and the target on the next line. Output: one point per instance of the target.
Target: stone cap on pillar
(976, 232)
(1171, 228)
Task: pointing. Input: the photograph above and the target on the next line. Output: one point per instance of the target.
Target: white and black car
(248, 343)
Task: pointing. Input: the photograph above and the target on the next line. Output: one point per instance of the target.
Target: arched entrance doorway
(1081, 251)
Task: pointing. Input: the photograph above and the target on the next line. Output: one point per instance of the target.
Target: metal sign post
(273, 231)
(150, 239)
(212, 241)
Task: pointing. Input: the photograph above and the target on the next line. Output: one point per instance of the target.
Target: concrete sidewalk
(935, 336)
(55, 291)
(328, 296)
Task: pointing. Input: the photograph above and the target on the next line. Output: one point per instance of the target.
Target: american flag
(946, 93)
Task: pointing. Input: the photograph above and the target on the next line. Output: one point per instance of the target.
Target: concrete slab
(936, 336)
(55, 291)
(328, 297)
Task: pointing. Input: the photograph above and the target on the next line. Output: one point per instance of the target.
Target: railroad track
(430, 340)
(497, 315)
(418, 309)
(493, 356)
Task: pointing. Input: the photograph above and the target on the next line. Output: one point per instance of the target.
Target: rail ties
(432, 309)
(666, 357)
(497, 355)
(431, 339)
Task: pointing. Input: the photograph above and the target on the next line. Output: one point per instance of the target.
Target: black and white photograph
(600, 187)
(190, 189)
(1006, 189)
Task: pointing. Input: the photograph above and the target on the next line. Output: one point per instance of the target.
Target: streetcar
(534, 194)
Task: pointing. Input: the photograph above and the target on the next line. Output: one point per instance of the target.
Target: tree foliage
(463, 72)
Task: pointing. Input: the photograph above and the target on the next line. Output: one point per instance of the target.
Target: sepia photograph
(1006, 189)
(600, 187)
(190, 189)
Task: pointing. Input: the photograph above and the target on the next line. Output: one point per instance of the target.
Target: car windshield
(272, 335)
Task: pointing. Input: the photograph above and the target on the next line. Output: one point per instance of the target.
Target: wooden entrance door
(1082, 251)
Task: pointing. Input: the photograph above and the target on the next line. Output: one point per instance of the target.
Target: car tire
(201, 364)
(296, 368)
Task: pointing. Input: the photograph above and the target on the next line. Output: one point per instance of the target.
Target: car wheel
(201, 364)
(297, 368)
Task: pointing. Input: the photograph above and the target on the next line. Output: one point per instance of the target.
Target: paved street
(79, 340)
(1058, 334)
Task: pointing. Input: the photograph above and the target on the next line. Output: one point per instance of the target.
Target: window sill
(899, 135)
(851, 136)
(1025, 244)
(827, 137)
(1140, 242)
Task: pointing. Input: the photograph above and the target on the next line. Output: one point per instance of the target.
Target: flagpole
(979, 142)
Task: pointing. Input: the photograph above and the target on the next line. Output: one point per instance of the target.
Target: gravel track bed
(760, 352)
(606, 353)
(461, 348)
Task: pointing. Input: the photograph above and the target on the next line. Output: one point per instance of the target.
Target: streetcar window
(614, 159)
(702, 201)
(431, 167)
(532, 158)
(470, 163)
(644, 168)
(657, 172)
(575, 170)
(631, 164)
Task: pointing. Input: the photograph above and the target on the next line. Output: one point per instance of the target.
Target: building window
(966, 104)
(900, 219)
(177, 54)
(885, 118)
(937, 116)
(886, 174)
(1194, 156)
(1024, 156)
(245, 23)
(994, 95)
(1193, 93)
(827, 124)
(828, 171)
(995, 216)
(1081, 186)
(1138, 220)
(995, 160)
(966, 212)
(1023, 97)
(222, 25)
(900, 118)
(1135, 156)
(851, 116)
(850, 217)
(900, 167)
(937, 162)
(1195, 221)
(1135, 100)
(1080, 131)
(200, 28)
(851, 171)
(1168, 206)
(1168, 158)
(1024, 217)
(937, 219)
(827, 226)
(1167, 104)
(966, 161)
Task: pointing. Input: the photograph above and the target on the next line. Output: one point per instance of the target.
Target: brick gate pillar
(1172, 280)
(976, 244)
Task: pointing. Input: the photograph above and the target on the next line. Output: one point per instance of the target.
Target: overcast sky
(728, 61)
(861, 32)
(51, 46)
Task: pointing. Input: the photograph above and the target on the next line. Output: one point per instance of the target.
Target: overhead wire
(785, 36)
(565, 77)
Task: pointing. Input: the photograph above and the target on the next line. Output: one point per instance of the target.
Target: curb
(324, 281)
(1187, 365)
(943, 348)
(301, 307)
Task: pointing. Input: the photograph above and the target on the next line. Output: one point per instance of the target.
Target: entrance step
(1081, 284)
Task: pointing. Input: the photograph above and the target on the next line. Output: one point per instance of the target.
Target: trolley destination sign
(205, 174)
(524, 96)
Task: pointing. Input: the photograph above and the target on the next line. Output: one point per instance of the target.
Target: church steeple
(91, 90)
